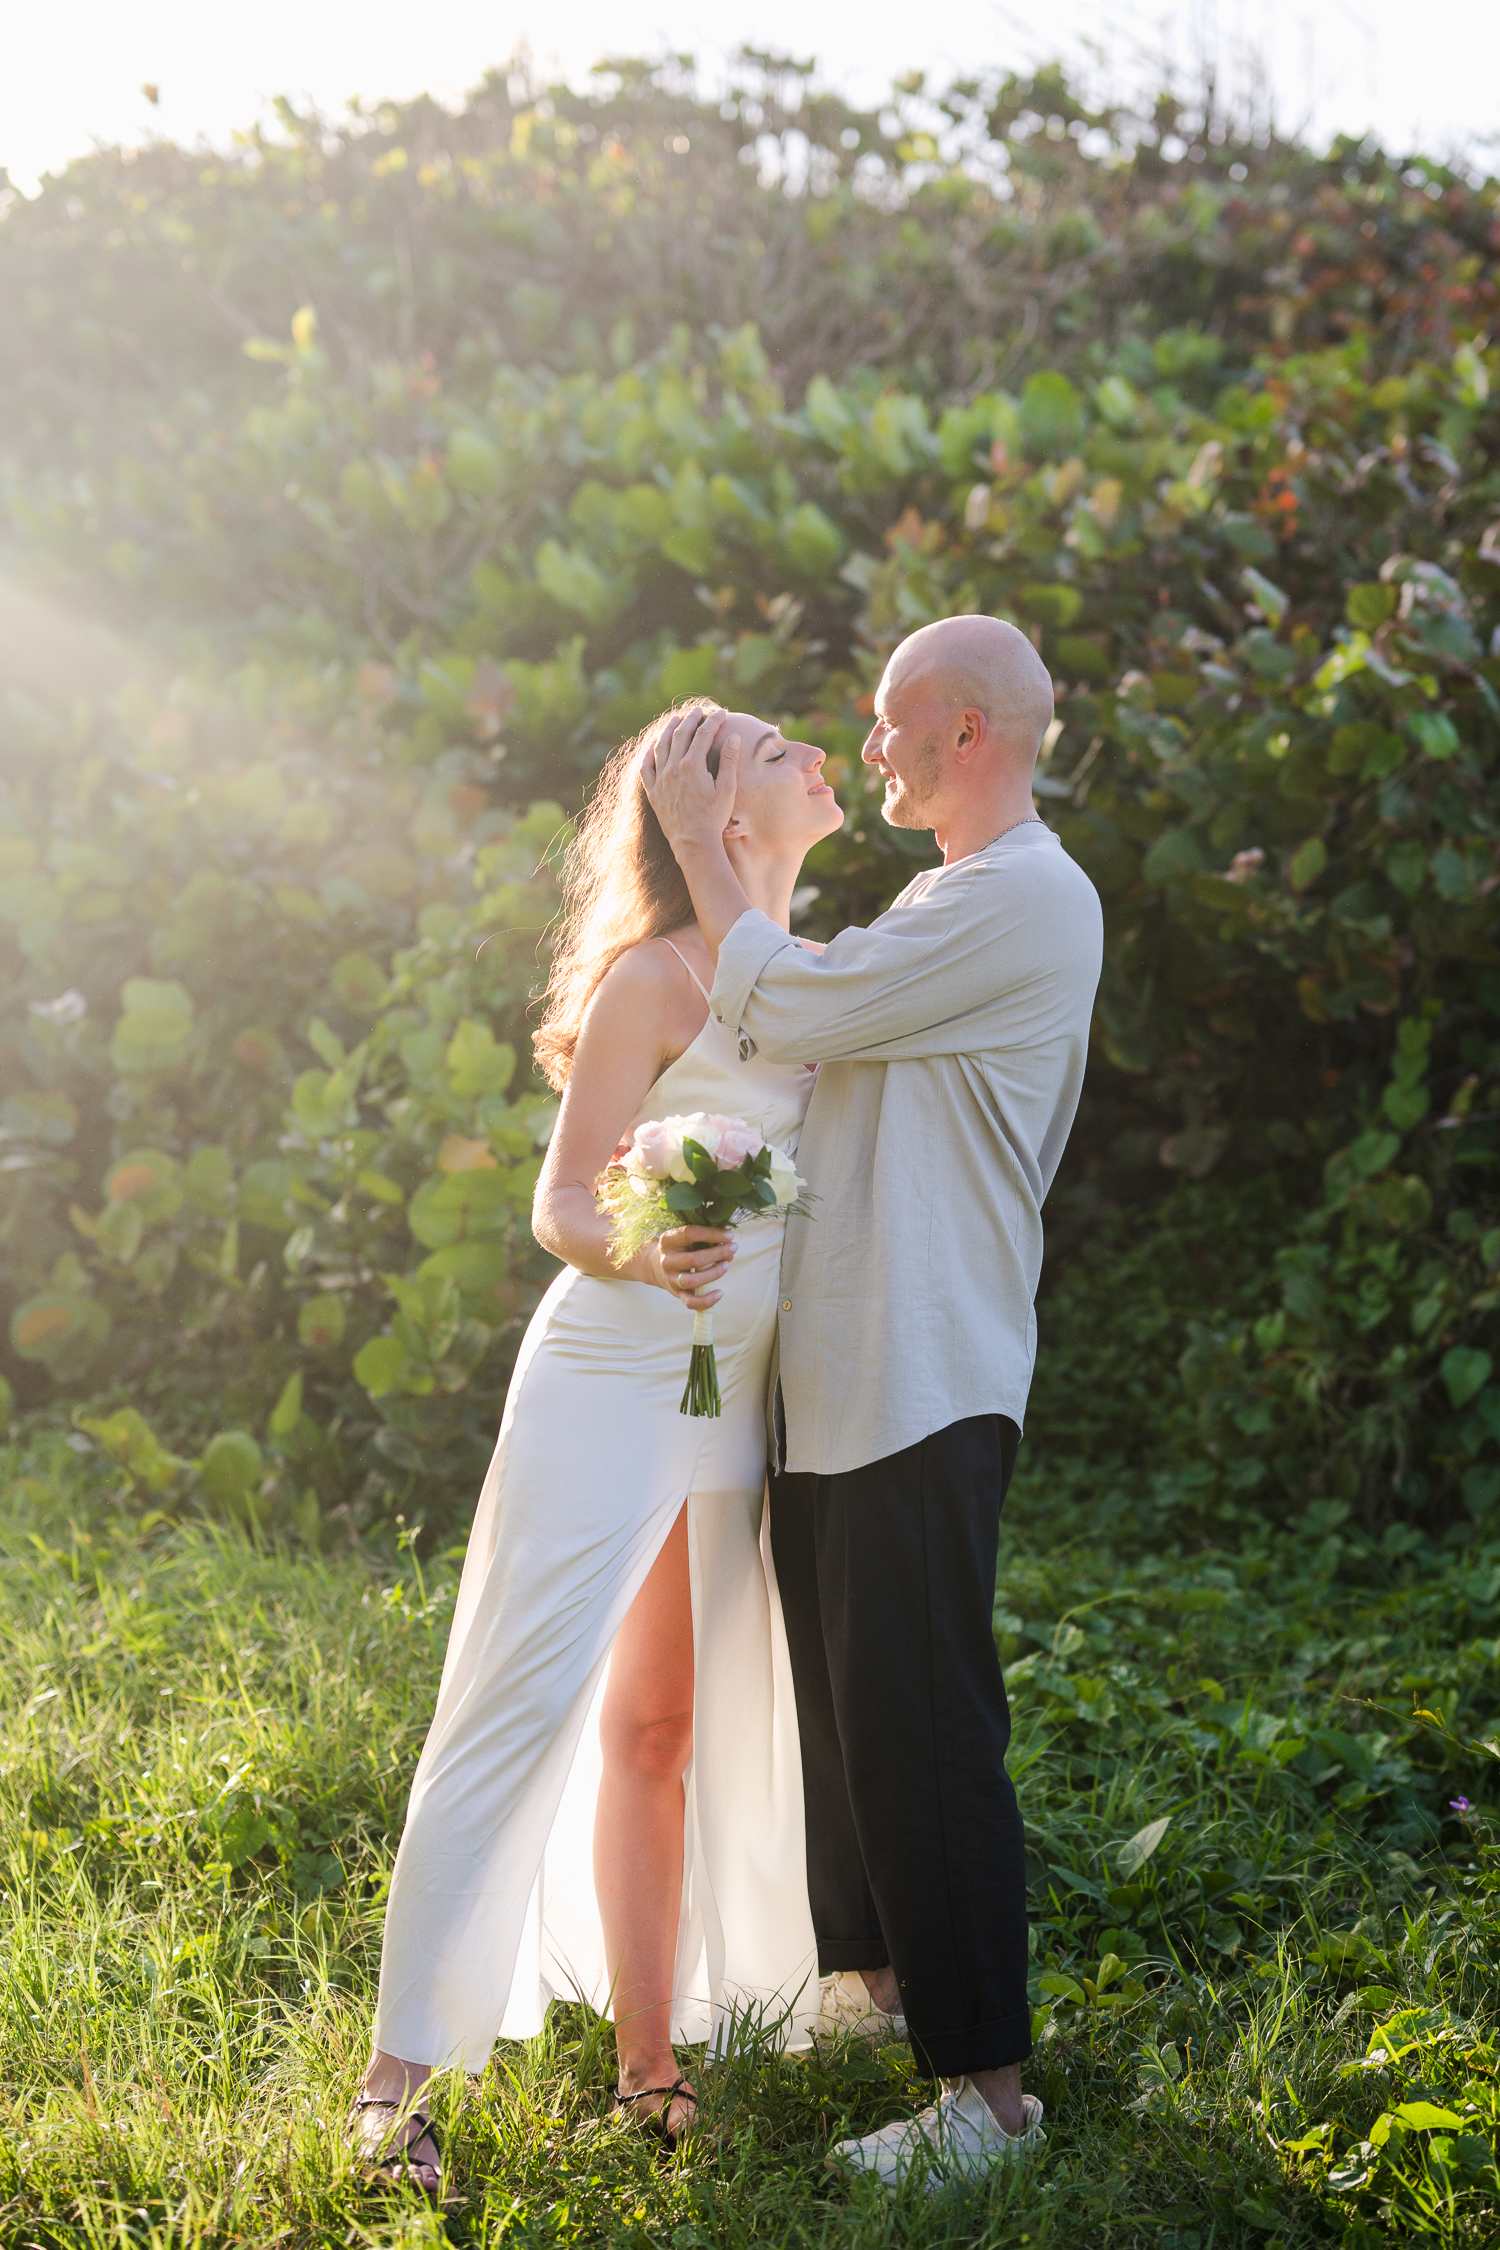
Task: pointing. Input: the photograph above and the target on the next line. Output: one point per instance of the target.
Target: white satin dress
(492, 1910)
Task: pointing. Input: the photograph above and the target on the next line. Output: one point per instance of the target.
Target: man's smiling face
(904, 746)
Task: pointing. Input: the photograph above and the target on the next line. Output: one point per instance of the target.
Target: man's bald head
(983, 664)
(959, 717)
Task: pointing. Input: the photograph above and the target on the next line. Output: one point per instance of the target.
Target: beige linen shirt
(951, 1038)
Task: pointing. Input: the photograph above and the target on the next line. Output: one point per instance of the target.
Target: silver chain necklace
(1025, 822)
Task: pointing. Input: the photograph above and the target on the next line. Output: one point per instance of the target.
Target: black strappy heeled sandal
(397, 2165)
(655, 2120)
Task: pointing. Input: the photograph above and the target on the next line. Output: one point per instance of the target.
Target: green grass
(205, 1754)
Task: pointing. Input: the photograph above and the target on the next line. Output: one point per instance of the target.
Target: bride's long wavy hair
(620, 886)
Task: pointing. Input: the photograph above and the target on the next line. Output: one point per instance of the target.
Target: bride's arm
(630, 1030)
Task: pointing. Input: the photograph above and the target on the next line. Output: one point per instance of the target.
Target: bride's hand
(686, 1263)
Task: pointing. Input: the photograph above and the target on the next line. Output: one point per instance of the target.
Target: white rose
(654, 1148)
(784, 1178)
(699, 1127)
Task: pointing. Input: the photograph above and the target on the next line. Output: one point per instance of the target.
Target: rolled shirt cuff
(742, 956)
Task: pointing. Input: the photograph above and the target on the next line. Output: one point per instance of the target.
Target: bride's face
(782, 800)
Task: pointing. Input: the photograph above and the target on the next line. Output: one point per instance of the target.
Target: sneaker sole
(939, 2176)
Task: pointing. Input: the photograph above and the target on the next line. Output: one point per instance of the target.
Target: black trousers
(915, 1850)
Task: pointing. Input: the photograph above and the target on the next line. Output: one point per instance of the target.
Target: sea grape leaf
(1134, 1853)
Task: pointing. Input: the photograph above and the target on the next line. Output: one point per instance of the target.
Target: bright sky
(73, 73)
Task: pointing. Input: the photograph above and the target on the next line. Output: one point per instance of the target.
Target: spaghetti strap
(682, 957)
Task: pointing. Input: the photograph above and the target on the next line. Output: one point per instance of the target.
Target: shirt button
(786, 1304)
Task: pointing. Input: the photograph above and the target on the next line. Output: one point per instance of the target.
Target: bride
(609, 1802)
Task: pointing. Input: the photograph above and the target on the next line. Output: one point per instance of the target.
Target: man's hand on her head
(694, 811)
(692, 807)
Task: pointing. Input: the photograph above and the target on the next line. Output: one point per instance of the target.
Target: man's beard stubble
(908, 808)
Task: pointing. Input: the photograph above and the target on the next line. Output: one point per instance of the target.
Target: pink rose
(736, 1141)
(656, 1148)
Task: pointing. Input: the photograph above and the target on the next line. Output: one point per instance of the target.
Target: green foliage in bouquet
(717, 1192)
(642, 1209)
(715, 1196)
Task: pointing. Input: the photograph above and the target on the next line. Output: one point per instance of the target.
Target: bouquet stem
(702, 1393)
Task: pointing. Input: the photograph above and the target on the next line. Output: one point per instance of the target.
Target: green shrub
(269, 1134)
(323, 1258)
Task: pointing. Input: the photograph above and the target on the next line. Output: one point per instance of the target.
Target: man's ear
(972, 728)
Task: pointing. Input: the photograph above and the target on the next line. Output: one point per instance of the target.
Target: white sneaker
(958, 2138)
(845, 2010)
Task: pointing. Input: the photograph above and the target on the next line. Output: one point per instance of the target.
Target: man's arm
(694, 811)
(946, 974)
(938, 976)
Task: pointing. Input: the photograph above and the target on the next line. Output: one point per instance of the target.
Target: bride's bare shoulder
(642, 972)
(645, 989)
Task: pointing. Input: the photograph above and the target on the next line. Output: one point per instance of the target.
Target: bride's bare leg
(646, 1732)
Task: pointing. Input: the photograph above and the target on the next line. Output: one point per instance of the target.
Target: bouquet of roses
(695, 1171)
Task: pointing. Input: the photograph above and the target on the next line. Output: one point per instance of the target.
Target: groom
(951, 1037)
